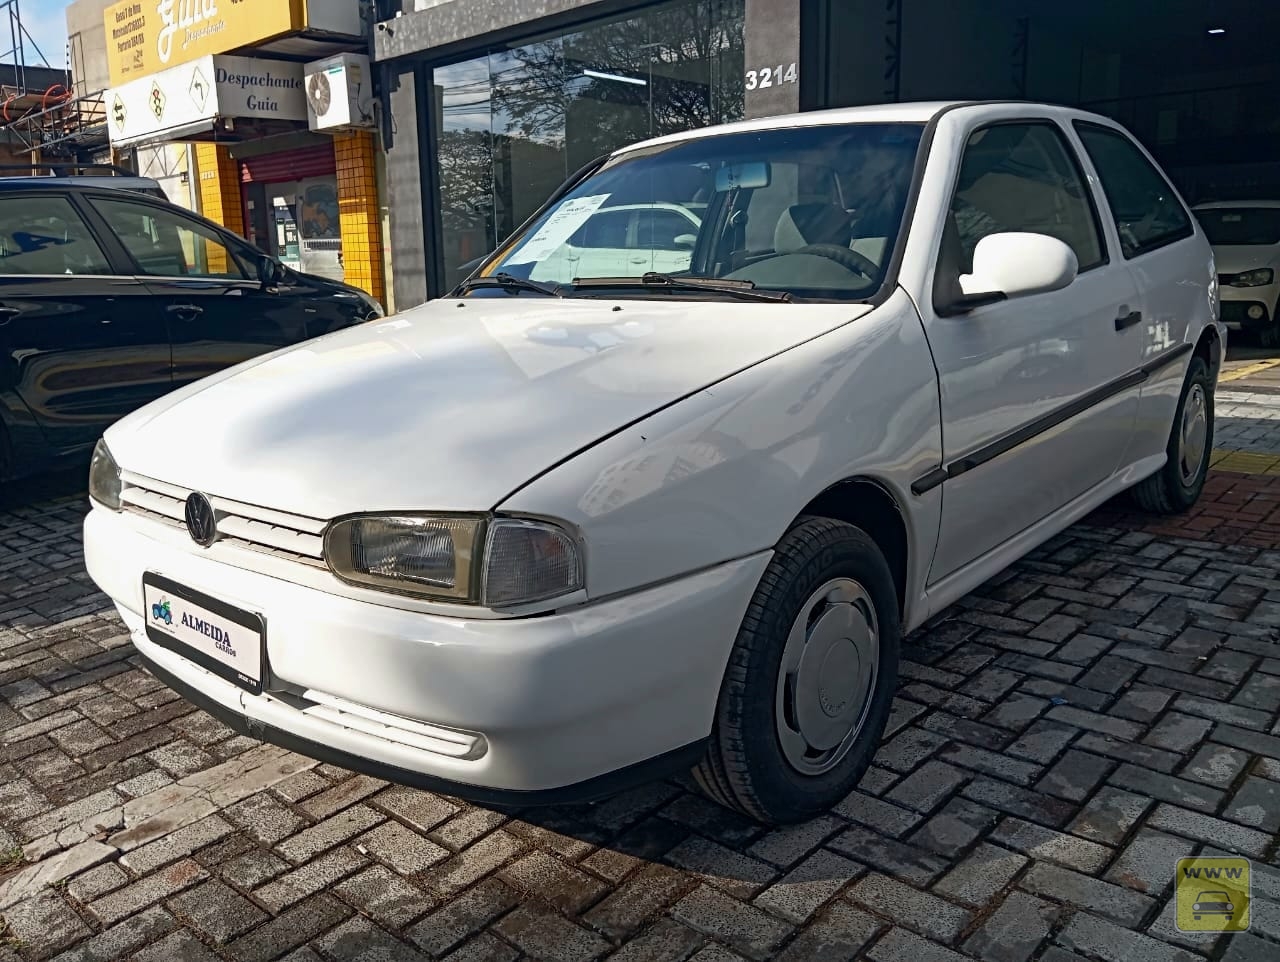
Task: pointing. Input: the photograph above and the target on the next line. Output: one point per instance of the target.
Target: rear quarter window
(1147, 212)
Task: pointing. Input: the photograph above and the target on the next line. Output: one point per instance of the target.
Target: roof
(1236, 204)
(909, 113)
(111, 183)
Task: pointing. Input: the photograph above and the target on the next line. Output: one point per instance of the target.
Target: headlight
(472, 560)
(372, 305)
(104, 477)
(1259, 278)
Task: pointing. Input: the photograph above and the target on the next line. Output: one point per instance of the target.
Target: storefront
(503, 106)
(285, 149)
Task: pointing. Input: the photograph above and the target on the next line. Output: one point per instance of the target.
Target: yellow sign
(1212, 895)
(146, 36)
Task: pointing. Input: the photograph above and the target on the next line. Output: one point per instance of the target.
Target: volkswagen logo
(202, 524)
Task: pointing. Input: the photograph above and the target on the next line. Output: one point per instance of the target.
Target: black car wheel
(810, 679)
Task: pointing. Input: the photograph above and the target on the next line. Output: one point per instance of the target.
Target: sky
(46, 22)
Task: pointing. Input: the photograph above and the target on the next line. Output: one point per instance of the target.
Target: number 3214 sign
(771, 77)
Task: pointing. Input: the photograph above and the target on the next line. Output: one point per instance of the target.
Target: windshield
(811, 211)
(1241, 226)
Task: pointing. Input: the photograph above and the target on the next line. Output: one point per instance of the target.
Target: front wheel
(1177, 486)
(807, 692)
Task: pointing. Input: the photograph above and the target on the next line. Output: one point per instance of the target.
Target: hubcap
(1194, 436)
(828, 672)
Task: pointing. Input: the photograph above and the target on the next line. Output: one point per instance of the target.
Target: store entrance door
(303, 214)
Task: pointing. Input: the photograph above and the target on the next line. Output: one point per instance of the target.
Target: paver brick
(1206, 828)
(1102, 939)
(147, 891)
(385, 897)
(1113, 901)
(924, 913)
(1177, 791)
(180, 945)
(359, 940)
(888, 855)
(1015, 930)
(461, 917)
(814, 881)
(1075, 775)
(903, 945)
(543, 934)
(1050, 845)
(310, 878)
(296, 926)
(121, 940)
(750, 930)
(985, 872)
(1256, 803)
(838, 932)
(333, 831)
(217, 910)
(44, 923)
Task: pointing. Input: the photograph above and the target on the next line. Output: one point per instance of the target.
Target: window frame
(107, 250)
(229, 241)
(1073, 158)
(1080, 126)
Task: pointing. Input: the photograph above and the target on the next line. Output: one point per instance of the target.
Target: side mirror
(1016, 264)
(686, 240)
(270, 271)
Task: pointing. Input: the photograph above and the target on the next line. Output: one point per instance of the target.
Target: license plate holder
(228, 641)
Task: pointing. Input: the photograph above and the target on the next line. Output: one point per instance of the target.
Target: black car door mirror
(270, 271)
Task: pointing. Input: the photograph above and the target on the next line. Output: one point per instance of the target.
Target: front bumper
(561, 706)
(1236, 301)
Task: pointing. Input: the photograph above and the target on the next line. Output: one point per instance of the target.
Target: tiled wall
(358, 209)
(219, 196)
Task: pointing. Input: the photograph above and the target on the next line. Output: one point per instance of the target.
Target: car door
(80, 344)
(1156, 237)
(1036, 400)
(218, 311)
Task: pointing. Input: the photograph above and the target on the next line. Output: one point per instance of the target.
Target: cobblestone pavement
(1060, 737)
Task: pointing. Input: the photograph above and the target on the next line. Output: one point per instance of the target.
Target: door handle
(1128, 320)
(187, 310)
(8, 313)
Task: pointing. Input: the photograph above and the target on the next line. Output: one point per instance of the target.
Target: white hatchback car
(533, 541)
(1245, 235)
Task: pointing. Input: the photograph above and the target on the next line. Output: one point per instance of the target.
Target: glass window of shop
(512, 124)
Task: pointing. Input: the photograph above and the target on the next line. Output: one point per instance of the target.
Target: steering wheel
(846, 257)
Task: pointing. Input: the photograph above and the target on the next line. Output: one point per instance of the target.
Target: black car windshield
(1241, 226)
(811, 211)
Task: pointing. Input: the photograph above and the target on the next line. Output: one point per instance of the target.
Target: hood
(449, 406)
(1235, 259)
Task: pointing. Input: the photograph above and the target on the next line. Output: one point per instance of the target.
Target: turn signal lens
(529, 561)
(104, 477)
(423, 556)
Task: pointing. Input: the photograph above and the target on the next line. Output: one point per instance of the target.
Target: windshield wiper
(743, 289)
(512, 283)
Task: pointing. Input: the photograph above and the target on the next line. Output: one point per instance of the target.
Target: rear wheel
(1269, 336)
(1177, 485)
(810, 679)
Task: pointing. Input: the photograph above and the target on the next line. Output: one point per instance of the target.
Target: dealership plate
(228, 641)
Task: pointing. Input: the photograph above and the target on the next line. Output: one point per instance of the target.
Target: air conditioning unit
(339, 93)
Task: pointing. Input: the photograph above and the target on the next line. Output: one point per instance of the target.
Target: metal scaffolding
(38, 108)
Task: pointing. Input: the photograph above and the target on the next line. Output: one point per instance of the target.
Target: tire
(836, 576)
(1175, 487)
(1269, 336)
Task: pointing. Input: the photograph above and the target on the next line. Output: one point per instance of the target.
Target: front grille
(277, 533)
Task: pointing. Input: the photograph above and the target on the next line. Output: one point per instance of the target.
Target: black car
(111, 297)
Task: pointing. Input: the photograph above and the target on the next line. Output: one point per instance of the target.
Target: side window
(45, 235)
(167, 244)
(1022, 177)
(1148, 214)
(657, 229)
(606, 229)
